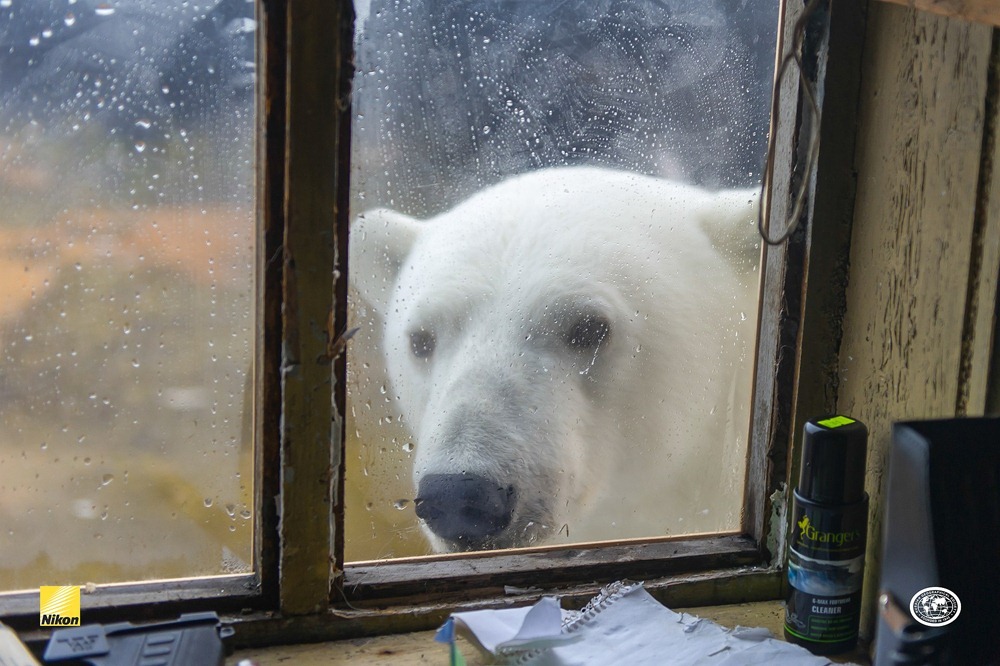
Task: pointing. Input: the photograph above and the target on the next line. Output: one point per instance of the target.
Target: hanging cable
(793, 55)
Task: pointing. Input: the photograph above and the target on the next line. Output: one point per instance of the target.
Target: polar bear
(571, 350)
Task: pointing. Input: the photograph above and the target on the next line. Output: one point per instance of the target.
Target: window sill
(419, 648)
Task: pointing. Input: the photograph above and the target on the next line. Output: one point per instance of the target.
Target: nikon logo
(59, 606)
(808, 532)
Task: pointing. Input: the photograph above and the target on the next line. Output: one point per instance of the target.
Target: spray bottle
(826, 554)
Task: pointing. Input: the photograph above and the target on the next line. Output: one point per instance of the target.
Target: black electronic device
(194, 639)
(940, 570)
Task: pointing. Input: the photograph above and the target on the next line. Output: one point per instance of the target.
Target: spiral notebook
(623, 625)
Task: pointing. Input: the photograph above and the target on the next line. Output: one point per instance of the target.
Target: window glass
(126, 289)
(554, 269)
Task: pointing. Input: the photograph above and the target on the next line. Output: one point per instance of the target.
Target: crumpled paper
(623, 625)
(511, 630)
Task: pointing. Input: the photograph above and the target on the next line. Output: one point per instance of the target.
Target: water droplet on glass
(401, 504)
(6, 3)
(104, 9)
(106, 479)
(208, 502)
(140, 146)
(408, 447)
(69, 19)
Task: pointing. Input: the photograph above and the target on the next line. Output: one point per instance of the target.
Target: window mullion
(310, 425)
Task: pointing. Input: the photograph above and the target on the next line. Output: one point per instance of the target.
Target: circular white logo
(935, 606)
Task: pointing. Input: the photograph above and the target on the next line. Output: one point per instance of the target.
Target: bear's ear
(379, 243)
(729, 219)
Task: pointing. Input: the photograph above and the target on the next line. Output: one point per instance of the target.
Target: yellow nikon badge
(59, 606)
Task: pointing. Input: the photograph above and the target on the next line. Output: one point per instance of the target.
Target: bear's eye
(588, 332)
(422, 343)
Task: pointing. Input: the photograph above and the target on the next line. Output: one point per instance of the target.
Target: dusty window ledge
(478, 575)
(418, 648)
(261, 630)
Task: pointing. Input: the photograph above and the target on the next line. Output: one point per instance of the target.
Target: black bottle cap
(834, 452)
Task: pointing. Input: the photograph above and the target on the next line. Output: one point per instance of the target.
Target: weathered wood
(261, 630)
(982, 11)
(419, 648)
(337, 353)
(413, 649)
(308, 415)
(919, 142)
(830, 212)
(483, 574)
(266, 424)
(979, 338)
(803, 299)
(766, 443)
(138, 602)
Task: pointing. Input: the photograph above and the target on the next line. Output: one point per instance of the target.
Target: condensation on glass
(554, 270)
(126, 289)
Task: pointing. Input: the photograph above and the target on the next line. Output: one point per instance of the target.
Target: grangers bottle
(826, 554)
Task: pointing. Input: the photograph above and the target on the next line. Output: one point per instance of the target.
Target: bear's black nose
(465, 508)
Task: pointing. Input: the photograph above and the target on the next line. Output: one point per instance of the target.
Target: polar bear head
(569, 349)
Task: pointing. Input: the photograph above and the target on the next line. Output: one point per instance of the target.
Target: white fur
(644, 437)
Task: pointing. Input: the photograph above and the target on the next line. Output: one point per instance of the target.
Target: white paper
(498, 631)
(623, 626)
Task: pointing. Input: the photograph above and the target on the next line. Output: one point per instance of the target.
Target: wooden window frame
(300, 589)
